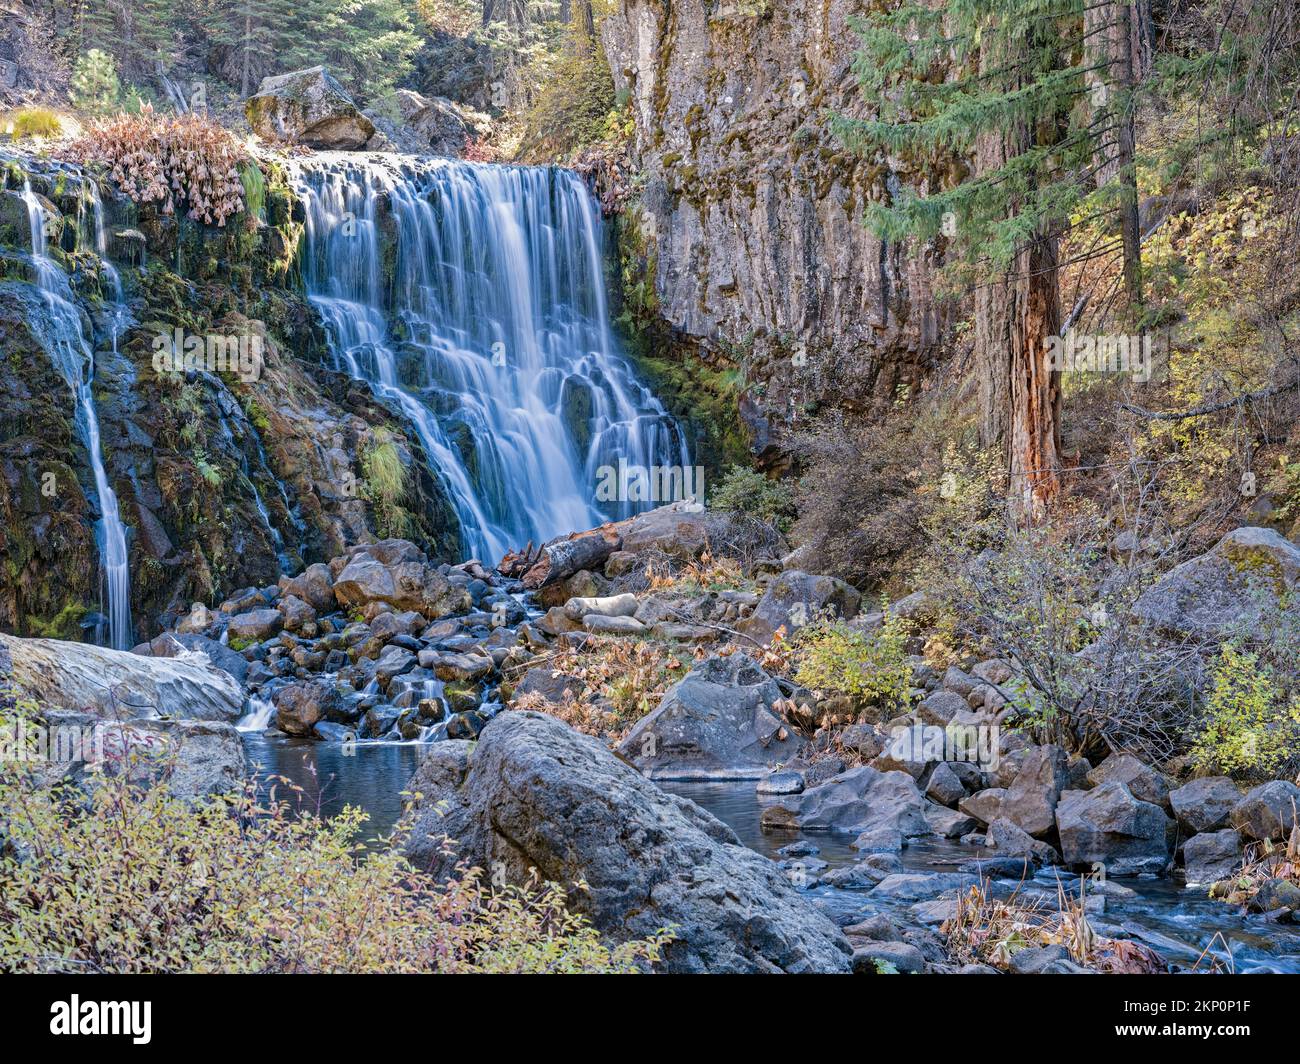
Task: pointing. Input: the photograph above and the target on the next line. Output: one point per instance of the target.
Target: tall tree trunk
(1016, 314)
(1114, 48)
(1130, 226)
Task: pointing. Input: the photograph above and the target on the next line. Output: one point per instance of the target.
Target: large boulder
(718, 722)
(1212, 855)
(533, 793)
(403, 579)
(1107, 826)
(308, 107)
(1204, 804)
(196, 758)
(855, 801)
(795, 598)
(437, 122)
(1030, 801)
(300, 706)
(254, 626)
(1231, 589)
(117, 683)
(1268, 811)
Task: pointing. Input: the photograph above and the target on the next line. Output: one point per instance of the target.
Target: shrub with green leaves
(749, 492)
(871, 667)
(130, 879)
(385, 484)
(1252, 725)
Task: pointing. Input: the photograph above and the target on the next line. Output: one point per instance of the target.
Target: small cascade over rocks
(73, 355)
(471, 297)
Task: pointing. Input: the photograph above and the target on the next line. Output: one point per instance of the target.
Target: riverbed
(1179, 923)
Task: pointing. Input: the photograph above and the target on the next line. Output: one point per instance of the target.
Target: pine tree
(1018, 93)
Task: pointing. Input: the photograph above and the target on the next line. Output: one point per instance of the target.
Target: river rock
(718, 722)
(1143, 782)
(1011, 841)
(853, 802)
(1212, 855)
(314, 585)
(254, 627)
(1268, 811)
(450, 666)
(1108, 826)
(406, 582)
(534, 793)
(794, 599)
(984, 806)
(296, 613)
(781, 783)
(79, 676)
(299, 706)
(1030, 802)
(916, 886)
(944, 786)
(308, 107)
(1204, 804)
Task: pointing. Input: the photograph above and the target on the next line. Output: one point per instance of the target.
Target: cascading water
(491, 335)
(74, 358)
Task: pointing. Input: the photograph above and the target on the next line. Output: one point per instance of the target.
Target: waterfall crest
(471, 296)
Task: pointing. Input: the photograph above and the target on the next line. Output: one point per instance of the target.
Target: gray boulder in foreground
(534, 793)
(716, 723)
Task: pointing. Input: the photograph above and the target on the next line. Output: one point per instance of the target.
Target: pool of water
(1179, 923)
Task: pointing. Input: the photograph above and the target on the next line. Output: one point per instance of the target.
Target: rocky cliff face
(748, 218)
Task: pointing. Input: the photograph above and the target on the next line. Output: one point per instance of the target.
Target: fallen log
(563, 557)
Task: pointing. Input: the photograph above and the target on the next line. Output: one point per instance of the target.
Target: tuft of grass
(32, 122)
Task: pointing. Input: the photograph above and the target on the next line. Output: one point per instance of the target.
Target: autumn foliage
(186, 162)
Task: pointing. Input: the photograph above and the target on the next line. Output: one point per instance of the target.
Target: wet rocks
(1110, 827)
(254, 626)
(396, 573)
(300, 706)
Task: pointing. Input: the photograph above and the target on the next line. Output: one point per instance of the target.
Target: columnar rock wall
(751, 208)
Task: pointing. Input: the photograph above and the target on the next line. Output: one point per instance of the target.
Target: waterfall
(471, 297)
(74, 358)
